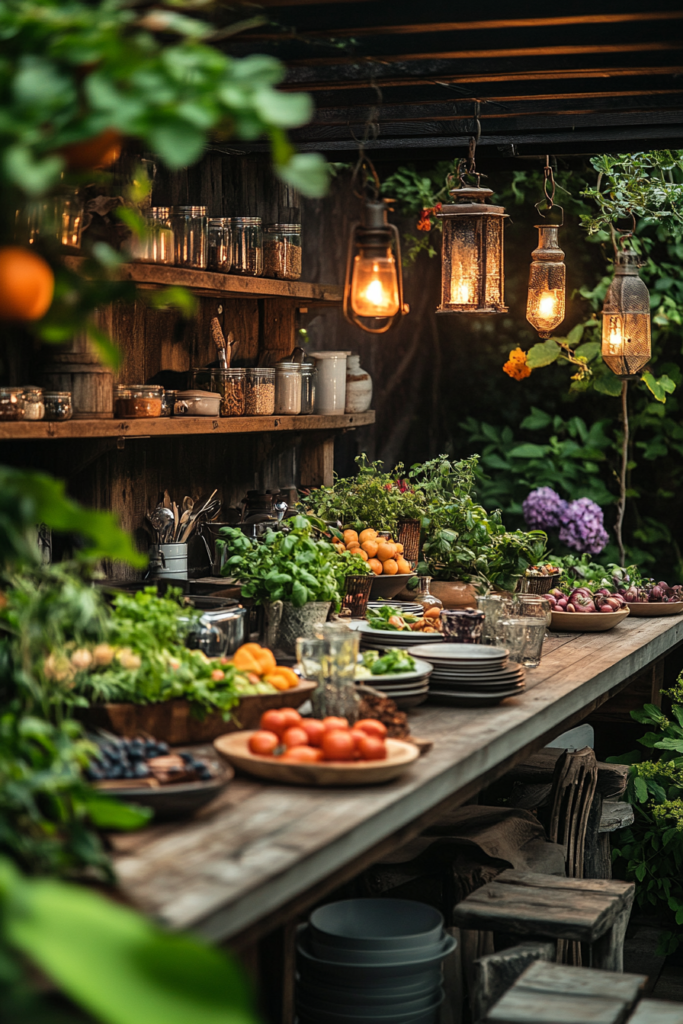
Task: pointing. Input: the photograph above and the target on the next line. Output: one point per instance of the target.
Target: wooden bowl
(385, 587)
(235, 749)
(651, 609)
(174, 722)
(587, 622)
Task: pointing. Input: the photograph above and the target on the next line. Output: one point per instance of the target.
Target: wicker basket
(409, 537)
(539, 584)
(357, 595)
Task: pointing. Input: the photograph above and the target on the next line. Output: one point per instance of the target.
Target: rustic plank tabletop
(239, 868)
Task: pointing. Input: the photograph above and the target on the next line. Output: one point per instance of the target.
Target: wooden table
(264, 853)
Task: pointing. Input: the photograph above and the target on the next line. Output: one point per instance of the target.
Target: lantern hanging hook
(549, 187)
(468, 165)
(621, 236)
(365, 169)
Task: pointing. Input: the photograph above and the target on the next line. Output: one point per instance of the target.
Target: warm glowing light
(547, 304)
(374, 288)
(615, 335)
(462, 292)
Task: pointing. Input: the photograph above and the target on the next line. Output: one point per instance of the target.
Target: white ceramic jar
(358, 386)
(330, 392)
(197, 403)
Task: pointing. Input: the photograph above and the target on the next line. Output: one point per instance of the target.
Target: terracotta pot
(173, 721)
(454, 593)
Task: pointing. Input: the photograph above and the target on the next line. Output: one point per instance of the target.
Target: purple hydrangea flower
(583, 527)
(544, 508)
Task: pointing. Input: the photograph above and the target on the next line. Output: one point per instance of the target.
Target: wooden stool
(555, 994)
(524, 904)
(655, 1011)
(495, 973)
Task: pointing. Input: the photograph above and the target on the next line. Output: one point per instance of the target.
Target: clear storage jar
(12, 404)
(58, 405)
(260, 391)
(308, 375)
(230, 385)
(247, 246)
(34, 407)
(190, 236)
(157, 245)
(287, 389)
(220, 244)
(137, 401)
(282, 251)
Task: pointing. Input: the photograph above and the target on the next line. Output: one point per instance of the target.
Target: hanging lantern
(626, 345)
(373, 288)
(545, 305)
(472, 255)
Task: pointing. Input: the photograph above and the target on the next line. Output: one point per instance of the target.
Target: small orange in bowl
(386, 551)
(390, 567)
(350, 537)
(370, 547)
(367, 535)
(375, 565)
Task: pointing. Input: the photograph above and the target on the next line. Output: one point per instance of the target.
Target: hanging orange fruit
(99, 151)
(26, 284)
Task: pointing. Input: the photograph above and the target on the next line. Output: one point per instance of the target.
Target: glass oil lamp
(373, 288)
(626, 344)
(472, 274)
(545, 304)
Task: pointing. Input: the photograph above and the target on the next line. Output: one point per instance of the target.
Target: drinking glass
(313, 658)
(493, 607)
(331, 663)
(532, 606)
(523, 637)
(462, 626)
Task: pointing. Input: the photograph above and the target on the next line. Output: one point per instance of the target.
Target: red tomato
(291, 717)
(338, 745)
(263, 742)
(274, 721)
(295, 737)
(314, 729)
(372, 727)
(303, 754)
(373, 749)
(334, 722)
(358, 735)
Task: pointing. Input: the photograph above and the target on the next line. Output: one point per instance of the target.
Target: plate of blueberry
(173, 782)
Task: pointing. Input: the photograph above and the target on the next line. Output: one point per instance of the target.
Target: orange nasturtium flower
(425, 221)
(516, 367)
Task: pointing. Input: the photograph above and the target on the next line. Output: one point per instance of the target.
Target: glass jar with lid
(282, 251)
(190, 236)
(259, 398)
(58, 406)
(220, 244)
(12, 404)
(137, 401)
(308, 375)
(230, 385)
(247, 246)
(287, 389)
(156, 245)
(34, 407)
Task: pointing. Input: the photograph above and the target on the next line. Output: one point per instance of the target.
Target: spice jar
(190, 236)
(12, 404)
(230, 385)
(156, 246)
(282, 251)
(247, 246)
(288, 389)
(308, 375)
(58, 405)
(34, 407)
(220, 244)
(137, 401)
(168, 402)
(260, 391)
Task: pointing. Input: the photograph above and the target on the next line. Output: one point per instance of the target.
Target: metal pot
(225, 613)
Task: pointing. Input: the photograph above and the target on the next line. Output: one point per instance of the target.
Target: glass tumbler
(532, 606)
(523, 637)
(494, 608)
(313, 659)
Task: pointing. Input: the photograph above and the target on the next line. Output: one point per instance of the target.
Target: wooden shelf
(179, 426)
(204, 282)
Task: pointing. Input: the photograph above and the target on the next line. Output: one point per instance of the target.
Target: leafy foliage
(291, 566)
(638, 184)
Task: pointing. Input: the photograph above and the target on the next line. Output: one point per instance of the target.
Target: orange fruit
(390, 567)
(335, 722)
(263, 742)
(399, 548)
(372, 726)
(385, 551)
(363, 554)
(370, 547)
(372, 748)
(367, 535)
(99, 151)
(353, 546)
(375, 565)
(403, 566)
(350, 536)
(295, 736)
(26, 284)
(338, 745)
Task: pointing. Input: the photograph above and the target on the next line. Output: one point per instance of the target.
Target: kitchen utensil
(176, 520)
(219, 342)
(160, 519)
(188, 503)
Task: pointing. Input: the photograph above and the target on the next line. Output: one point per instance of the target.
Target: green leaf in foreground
(543, 354)
(660, 387)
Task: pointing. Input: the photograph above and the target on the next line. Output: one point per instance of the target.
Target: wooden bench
(555, 994)
(656, 1011)
(517, 904)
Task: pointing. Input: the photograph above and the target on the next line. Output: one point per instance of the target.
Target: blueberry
(129, 773)
(140, 770)
(187, 758)
(93, 774)
(115, 772)
(204, 775)
(136, 749)
(162, 747)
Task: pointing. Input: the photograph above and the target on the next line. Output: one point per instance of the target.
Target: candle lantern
(545, 305)
(472, 273)
(373, 288)
(626, 345)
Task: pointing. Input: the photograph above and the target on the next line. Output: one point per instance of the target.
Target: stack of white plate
(374, 638)
(407, 689)
(470, 675)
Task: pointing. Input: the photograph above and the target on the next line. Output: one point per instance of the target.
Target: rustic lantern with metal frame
(373, 287)
(472, 274)
(626, 343)
(545, 307)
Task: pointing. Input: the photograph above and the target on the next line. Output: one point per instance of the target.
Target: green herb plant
(295, 566)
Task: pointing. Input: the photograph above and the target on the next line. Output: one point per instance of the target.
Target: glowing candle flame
(462, 292)
(374, 290)
(615, 336)
(547, 305)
